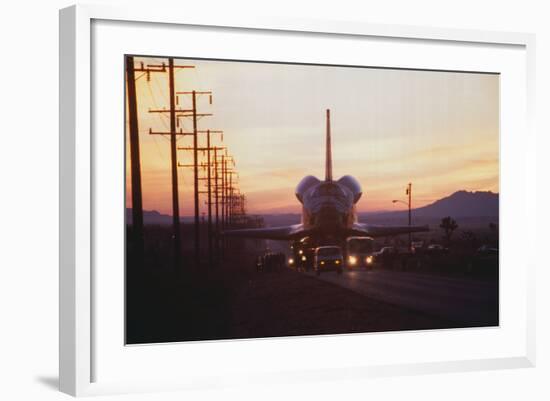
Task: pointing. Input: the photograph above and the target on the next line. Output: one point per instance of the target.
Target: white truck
(327, 258)
(359, 252)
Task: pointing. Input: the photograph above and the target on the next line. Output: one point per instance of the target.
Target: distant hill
(152, 217)
(464, 206)
(461, 205)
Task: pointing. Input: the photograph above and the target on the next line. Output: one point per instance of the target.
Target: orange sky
(439, 130)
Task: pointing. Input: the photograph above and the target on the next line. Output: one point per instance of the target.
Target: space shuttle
(328, 210)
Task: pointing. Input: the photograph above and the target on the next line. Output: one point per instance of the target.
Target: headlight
(290, 261)
(352, 260)
(322, 262)
(337, 262)
(369, 260)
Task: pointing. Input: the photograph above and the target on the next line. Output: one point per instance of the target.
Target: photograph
(274, 199)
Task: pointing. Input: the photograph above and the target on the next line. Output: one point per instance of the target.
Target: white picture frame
(77, 368)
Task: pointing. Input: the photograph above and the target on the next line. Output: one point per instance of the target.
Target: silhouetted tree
(448, 225)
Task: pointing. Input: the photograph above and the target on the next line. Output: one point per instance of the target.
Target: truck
(328, 258)
(359, 252)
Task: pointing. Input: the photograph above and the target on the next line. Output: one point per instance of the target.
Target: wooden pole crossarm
(150, 69)
(174, 66)
(159, 67)
(201, 149)
(180, 132)
(194, 115)
(190, 165)
(195, 92)
(168, 111)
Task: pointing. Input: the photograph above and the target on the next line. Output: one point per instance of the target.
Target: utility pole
(409, 193)
(137, 203)
(209, 185)
(174, 165)
(173, 113)
(229, 198)
(239, 208)
(222, 173)
(224, 202)
(209, 199)
(196, 180)
(227, 172)
(224, 185)
(216, 199)
(215, 164)
(208, 167)
(195, 116)
(232, 197)
(230, 203)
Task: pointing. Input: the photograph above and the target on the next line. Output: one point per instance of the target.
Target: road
(463, 301)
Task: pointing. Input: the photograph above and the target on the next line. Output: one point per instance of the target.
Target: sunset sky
(438, 130)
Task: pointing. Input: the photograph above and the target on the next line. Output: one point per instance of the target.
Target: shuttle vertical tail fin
(328, 159)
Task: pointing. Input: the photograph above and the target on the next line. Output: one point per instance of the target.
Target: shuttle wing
(386, 231)
(276, 233)
(297, 231)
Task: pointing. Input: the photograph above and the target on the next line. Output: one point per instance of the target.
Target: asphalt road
(464, 301)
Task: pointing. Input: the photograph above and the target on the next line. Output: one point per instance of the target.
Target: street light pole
(408, 192)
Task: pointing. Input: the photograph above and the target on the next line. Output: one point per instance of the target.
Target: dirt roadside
(245, 304)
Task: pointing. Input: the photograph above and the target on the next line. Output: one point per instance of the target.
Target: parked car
(436, 249)
(328, 258)
(486, 250)
(385, 256)
(387, 250)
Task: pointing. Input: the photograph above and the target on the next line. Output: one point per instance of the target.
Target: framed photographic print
(277, 200)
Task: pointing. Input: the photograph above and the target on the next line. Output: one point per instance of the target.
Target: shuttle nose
(329, 217)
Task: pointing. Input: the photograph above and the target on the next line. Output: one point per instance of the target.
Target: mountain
(152, 217)
(460, 204)
(468, 207)
(463, 205)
